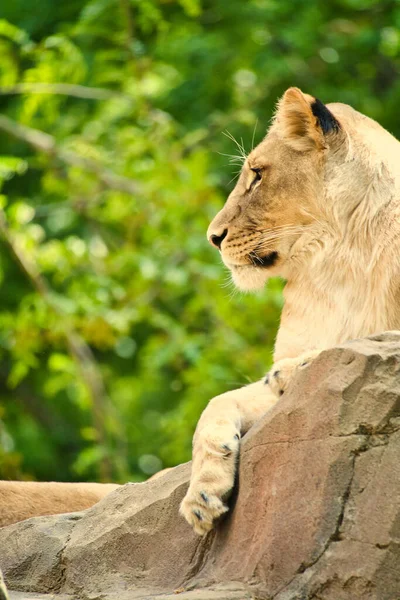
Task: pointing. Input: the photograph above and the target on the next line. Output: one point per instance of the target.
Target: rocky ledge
(316, 513)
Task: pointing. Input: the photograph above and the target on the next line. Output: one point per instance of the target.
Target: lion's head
(309, 172)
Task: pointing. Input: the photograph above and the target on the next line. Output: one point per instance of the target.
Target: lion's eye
(257, 176)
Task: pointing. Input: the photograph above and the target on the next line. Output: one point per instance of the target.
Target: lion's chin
(248, 278)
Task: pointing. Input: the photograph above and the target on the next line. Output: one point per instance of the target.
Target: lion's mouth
(269, 260)
(254, 273)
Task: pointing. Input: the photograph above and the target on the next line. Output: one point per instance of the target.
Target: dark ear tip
(327, 121)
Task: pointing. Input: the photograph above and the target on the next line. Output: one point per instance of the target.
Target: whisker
(268, 239)
(234, 177)
(254, 133)
(254, 257)
(268, 244)
(279, 236)
(279, 227)
(239, 146)
(279, 230)
(234, 292)
(228, 281)
(233, 158)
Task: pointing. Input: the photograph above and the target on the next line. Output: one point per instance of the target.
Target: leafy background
(117, 320)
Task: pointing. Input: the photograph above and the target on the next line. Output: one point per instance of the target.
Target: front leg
(283, 371)
(215, 451)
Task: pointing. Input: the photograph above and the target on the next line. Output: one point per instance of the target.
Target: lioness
(317, 203)
(21, 500)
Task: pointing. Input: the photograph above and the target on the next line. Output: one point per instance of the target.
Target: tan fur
(329, 205)
(21, 500)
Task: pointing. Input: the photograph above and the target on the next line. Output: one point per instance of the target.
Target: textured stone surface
(316, 515)
(30, 552)
(222, 593)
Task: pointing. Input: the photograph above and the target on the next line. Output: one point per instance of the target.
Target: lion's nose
(216, 240)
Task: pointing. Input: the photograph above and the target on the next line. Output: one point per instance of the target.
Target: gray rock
(316, 514)
(31, 552)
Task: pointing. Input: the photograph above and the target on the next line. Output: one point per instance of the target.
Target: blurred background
(117, 320)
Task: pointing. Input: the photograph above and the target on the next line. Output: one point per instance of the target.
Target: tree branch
(78, 348)
(46, 143)
(129, 23)
(62, 89)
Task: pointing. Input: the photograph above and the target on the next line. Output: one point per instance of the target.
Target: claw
(204, 496)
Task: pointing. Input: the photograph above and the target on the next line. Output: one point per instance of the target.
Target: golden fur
(317, 203)
(21, 500)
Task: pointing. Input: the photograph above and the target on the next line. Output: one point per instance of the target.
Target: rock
(34, 596)
(153, 545)
(31, 552)
(316, 515)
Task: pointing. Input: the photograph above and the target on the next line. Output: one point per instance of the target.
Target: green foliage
(116, 326)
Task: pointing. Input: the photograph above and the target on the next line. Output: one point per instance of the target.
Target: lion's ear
(304, 121)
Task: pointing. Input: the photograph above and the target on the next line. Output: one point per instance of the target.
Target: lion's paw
(213, 480)
(201, 509)
(284, 370)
